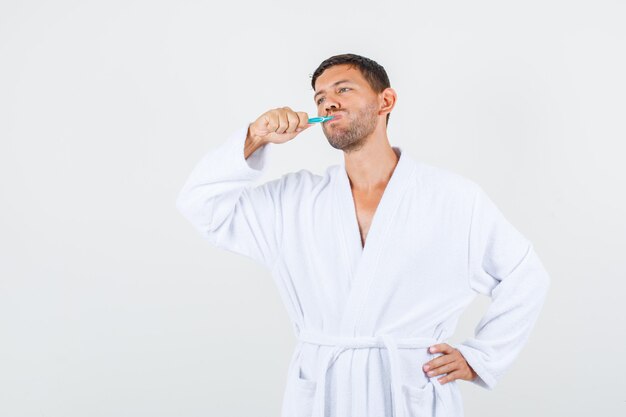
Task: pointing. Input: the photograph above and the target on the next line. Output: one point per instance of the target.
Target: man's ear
(388, 98)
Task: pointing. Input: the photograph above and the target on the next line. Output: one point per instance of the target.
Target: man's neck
(370, 167)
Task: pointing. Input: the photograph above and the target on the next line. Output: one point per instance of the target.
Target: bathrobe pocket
(303, 394)
(419, 400)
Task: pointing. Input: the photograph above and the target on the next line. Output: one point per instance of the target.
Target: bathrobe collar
(362, 261)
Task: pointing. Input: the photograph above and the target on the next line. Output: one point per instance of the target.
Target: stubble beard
(351, 138)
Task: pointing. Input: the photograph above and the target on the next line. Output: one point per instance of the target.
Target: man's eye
(342, 88)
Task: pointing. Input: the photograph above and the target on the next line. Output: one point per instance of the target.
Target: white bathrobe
(365, 317)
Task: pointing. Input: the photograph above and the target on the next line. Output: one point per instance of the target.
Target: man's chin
(334, 143)
(338, 144)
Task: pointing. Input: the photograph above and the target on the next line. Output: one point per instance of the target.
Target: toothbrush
(320, 119)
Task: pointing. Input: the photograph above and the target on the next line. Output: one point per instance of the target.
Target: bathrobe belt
(341, 344)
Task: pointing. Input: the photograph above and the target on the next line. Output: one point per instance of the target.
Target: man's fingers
(293, 120)
(443, 369)
(453, 364)
(437, 362)
(450, 377)
(279, 125)
(283, 122)
(304, 120)
(441, 347)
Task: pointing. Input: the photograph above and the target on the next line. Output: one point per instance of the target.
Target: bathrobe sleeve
(504, 266)
(220, 200)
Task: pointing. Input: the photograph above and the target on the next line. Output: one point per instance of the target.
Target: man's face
(353, 101)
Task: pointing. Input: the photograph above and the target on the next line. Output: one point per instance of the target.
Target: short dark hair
(373, 72)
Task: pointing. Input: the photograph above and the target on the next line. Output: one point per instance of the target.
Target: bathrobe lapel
(363, 261)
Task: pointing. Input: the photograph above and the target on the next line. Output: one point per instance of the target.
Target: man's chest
(365, 206)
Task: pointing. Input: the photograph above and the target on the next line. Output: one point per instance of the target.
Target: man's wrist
(252, 144)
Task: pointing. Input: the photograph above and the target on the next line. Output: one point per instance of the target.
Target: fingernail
(426, 368)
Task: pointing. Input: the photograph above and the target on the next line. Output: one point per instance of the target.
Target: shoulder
(305, 181)
(444, 180)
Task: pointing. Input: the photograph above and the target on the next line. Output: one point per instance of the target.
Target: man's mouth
(335, 117)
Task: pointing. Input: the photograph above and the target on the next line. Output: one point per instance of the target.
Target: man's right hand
(278, 126)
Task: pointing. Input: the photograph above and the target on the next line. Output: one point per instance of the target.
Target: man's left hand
(451, 362)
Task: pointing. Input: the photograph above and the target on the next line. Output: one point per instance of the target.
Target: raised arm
(220, 199)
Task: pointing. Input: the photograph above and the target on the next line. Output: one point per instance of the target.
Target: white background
(112, 305)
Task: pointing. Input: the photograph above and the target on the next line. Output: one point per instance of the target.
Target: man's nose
(331, 107)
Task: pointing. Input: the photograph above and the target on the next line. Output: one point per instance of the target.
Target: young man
(375, 259)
